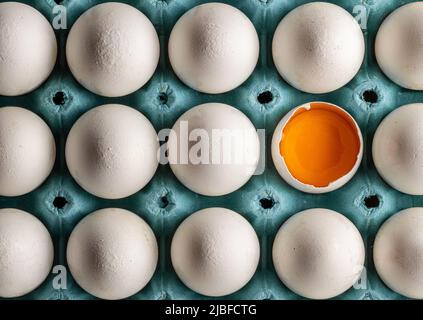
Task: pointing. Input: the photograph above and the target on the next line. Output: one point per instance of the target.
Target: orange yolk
(319, 145)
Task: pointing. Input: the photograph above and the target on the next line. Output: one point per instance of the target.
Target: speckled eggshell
(318, 47)
(27, 151)
(112, 49)
(399, 46)
(111, 151)
(26, 253)
(112, 253)
(398, 253)
(213, 48)
(28, 49)
(215, 251)
(318, 253)
(218, 178)
(398, 149)
(282, 168)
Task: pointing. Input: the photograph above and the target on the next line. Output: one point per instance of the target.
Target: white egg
(215, 251)
(112, 49)
(26, 253)
(398, 253)
(27, 151)
(111, 151)
(399, 46)
(398, 149)
(28, 49)
(214, 149)
(112, 253)
(318, 47)
(326, 149)
(318, 253)
(213, 48)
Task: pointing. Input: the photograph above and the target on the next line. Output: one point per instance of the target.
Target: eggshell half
(280, 164)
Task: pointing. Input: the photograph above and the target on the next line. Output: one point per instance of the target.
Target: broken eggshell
(281, 165)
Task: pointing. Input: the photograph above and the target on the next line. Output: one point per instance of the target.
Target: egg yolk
(319, 145)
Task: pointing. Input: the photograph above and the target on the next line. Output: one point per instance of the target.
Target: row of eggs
(113, 151)
(112, 253)
(113, 49)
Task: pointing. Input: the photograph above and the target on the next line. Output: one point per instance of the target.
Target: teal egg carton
(266, 200)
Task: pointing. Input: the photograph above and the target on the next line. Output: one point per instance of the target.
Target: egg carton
(266, 200)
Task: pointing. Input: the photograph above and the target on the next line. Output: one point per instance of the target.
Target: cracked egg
(317, 147)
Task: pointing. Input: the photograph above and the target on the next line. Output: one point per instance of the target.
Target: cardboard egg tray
(266, 200)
